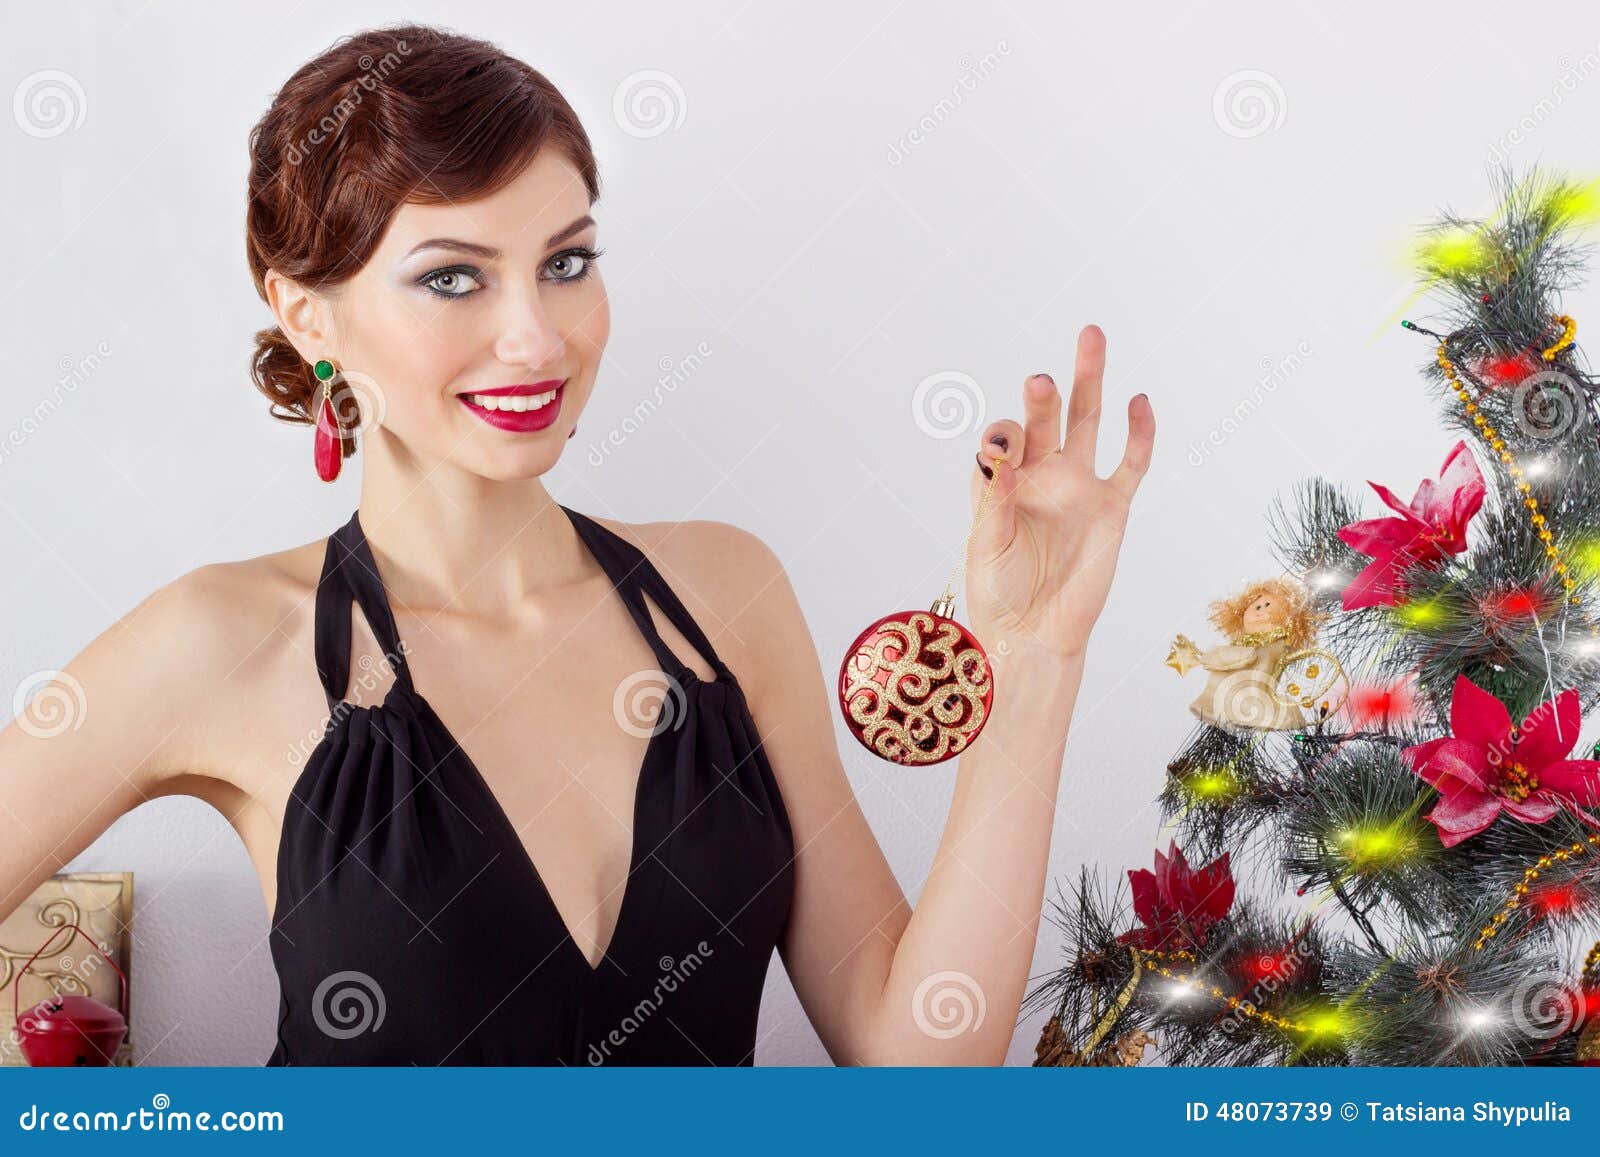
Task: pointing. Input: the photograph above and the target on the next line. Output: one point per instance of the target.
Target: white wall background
(829, 262)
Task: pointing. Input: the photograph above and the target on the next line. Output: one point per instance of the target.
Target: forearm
(971, 935)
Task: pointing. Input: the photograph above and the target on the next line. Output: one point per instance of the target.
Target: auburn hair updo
(385, 117)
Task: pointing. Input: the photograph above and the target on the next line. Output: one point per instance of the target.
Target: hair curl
(388, 116)
(1227, 615)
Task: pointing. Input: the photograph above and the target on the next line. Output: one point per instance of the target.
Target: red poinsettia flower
(1482, 768)
(1429, 529)
(1177, 904)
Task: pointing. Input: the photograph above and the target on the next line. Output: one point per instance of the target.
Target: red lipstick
(537, 416)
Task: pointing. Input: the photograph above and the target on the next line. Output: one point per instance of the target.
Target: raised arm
(943, 984)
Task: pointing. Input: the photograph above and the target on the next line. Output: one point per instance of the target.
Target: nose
(528, 335)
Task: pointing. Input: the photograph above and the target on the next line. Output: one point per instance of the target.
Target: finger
(1136, 454)
(1083, 408)
(1041, 402)
(1003, 439)
(995, 522)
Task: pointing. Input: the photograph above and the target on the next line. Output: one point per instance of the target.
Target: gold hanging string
(944, 606)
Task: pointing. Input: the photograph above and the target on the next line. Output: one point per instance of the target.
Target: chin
(516, 467)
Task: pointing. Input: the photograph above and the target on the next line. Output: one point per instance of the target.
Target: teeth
(520, 404)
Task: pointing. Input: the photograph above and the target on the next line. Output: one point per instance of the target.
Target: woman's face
(464, 300)
(1264, 612)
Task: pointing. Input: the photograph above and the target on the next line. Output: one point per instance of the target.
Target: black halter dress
(412, 926)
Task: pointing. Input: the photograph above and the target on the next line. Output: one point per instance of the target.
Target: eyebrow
(488, 251)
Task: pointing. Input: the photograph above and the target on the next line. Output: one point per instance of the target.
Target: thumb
(994, 520)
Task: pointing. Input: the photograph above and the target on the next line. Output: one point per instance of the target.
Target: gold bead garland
(1569, 330)
(1145, 956)
(1491, 435)
(1561, 855)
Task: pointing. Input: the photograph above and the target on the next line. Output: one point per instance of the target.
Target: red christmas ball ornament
(916, 686)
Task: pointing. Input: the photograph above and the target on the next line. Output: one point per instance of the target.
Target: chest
(556, 714)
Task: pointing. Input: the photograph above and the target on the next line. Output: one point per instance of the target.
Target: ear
(303, 315)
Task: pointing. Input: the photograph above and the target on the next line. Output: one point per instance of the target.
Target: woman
(471, 850)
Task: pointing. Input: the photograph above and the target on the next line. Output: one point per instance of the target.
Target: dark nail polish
(987, 472)
(1000, 441)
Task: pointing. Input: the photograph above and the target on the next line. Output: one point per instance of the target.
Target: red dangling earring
(328, 448)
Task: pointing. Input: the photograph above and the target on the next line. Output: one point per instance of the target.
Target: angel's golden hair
(1227, 615)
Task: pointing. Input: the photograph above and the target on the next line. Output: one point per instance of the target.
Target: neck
(449, 540)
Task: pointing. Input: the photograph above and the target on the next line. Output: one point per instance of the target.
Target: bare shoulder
(228, 641)
(731, 581)
(228, 611)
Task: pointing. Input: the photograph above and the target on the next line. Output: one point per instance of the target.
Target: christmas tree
(1410, 876)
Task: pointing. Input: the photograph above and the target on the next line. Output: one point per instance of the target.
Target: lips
(521, 409)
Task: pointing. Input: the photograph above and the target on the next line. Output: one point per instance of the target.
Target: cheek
(414, 350)
(434, 353)
(589, 326)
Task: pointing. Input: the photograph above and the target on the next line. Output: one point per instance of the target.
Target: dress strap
(634, 576)
(349, 572)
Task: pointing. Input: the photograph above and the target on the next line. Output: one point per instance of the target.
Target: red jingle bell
(66, 1029)
(916, 686)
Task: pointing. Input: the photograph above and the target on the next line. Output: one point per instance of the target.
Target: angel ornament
(1260, 677)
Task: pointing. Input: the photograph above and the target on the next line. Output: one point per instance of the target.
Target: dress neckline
(350, 573)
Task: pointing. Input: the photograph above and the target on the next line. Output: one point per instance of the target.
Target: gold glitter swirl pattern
(917, 688)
